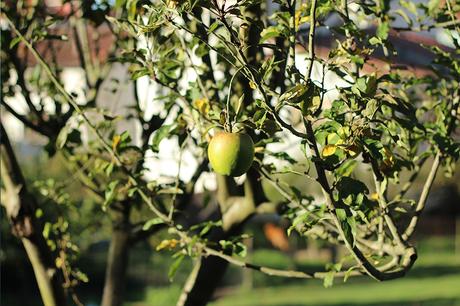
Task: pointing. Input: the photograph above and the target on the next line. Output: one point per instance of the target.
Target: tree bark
(20, 208)
(117, 259)
(212, 270)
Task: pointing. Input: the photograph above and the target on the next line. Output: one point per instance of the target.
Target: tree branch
(311, 40)
(422, 200)
(20, 208)
(190, 282)
(36, 127)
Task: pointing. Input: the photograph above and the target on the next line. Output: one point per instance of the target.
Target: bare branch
(422, 200)
(190, 282)
(36, 127)
(311, 40)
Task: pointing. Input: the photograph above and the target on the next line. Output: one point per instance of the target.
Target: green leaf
(310, 104)
(294, 94)
(201, 50)
(171, 190)
(361, 84)
(213, 26)
(163, 132)
(46, 230)
(374, 40)
(329, 279)
(334, 138)
(341, 214)
(240, 249)
(259, 118)
(371, 108)
(239, 107)
(175, 266)
(68, 136)
(352, 223)
(351, 191)
(80, 276)
(346, 169)
(140, 73)
(110, 194)
(109, 169)
(299, 219)
(119, 3)
(151, 222)
(268, 33)
(206, 229)
(348, 232)
(14, 42)
(348, 273)
(131, 5)
(433, 6)
(382, 31)
(410, 6)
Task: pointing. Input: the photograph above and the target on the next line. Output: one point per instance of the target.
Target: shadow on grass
(432, 271)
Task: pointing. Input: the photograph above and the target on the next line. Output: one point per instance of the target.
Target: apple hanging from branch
(231, 153)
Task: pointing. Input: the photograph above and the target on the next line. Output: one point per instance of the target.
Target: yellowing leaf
(388, 159)
(258, 149)
(299, 20)
(202, 105)
(115, 141)
(59, 262)
(329, 150)
(252, 85)
(304, 19)
(316, 101)
(167, 243)
(374, 196)
(172, 4)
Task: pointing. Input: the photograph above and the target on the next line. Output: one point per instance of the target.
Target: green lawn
(442, 290)
(434, 280)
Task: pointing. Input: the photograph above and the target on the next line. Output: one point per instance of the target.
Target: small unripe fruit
(231, 153)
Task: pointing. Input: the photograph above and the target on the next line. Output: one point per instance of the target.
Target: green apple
(231, 153)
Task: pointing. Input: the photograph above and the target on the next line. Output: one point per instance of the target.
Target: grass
(433, 281)
(400, 292)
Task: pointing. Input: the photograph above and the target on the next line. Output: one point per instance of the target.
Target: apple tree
(235, 81)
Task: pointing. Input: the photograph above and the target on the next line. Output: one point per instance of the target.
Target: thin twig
(386, 215)
(422, 200)
(311, 38)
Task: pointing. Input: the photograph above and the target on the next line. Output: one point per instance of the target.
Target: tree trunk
(20, 208)
(211, 271)
(209, 276)
(117, 260)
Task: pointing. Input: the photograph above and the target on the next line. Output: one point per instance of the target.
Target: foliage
(227, 65)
